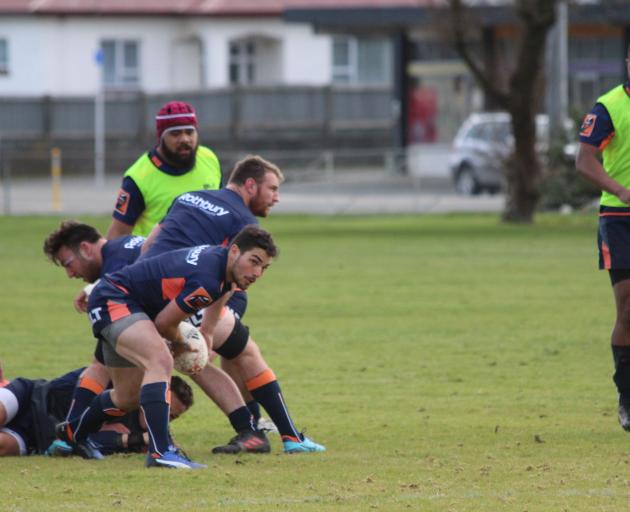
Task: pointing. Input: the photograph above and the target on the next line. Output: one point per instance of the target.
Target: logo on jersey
(198, 299)
(134, 242)
(587, 125)
(122, 202)
(202, 204)
(193, 255)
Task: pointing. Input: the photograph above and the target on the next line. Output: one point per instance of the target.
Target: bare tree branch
(499, 96)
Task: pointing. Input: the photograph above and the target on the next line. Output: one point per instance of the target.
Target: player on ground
(214, 217)
(606, 130)
(30, 409)
(86, 254)
(176, 165)
(134, 309)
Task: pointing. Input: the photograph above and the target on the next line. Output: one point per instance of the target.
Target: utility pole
(558, 63)
(99, 124)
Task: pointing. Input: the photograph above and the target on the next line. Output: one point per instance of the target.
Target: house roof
(136, 7)
(191, 7)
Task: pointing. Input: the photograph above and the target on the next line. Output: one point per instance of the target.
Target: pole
(6, 182)
(55, 173)
(99, 124)
(558, 94)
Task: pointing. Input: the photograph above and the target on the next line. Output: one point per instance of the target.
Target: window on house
(121, 63)
(4, 57)
(242, 62)
(362, 60)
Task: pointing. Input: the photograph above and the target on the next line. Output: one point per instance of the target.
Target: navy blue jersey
(211, 217)
(41, 405)
(120, 252)
(193, 277)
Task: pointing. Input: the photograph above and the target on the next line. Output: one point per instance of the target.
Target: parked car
(482, 146)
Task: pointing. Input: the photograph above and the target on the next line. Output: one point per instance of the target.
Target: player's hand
(80, 302)
(624, 196)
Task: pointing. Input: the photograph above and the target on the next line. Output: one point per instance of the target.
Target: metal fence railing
(234, 111)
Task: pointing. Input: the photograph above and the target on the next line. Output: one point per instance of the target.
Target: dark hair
(183, 391)
(253, 166)
(69, 234)
(253, 236)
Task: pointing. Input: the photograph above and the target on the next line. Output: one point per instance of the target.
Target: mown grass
(448, 363)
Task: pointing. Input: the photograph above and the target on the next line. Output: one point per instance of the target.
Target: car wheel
(465, 182)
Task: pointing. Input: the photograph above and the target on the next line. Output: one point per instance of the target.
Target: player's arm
(118, 228)
(150, 239)
(129, 207)
(212, 315)
(588, 165)
(167, 322)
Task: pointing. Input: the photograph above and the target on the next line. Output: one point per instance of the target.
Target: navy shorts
(613, 238)
(107, 304)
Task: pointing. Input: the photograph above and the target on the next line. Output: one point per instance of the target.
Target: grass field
(448, 363)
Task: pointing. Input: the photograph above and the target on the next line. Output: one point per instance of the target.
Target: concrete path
(348, 193)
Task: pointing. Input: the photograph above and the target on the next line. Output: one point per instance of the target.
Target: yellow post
(55, 172)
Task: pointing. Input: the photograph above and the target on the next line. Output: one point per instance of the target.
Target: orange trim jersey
(192, 277)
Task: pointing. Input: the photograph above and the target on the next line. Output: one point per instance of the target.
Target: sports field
(448, 363)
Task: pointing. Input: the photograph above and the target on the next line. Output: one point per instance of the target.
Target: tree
(520, 97)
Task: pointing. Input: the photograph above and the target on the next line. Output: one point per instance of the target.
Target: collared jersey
(150, 185)
(193, 277)
(210, 217)
(120, 252)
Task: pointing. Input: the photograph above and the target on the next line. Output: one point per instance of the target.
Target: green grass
(448, 363)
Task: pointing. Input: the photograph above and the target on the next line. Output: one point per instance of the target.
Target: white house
(70, 47)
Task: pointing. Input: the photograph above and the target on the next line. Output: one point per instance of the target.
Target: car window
(477, 131)
(499, 132)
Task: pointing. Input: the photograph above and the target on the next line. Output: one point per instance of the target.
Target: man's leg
(620, 341)
(92, 382)
(232, 341)
(222, 390)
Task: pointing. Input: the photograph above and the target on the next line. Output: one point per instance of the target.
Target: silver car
(482, 147)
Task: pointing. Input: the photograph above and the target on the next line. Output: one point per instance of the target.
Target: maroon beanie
(175, 115)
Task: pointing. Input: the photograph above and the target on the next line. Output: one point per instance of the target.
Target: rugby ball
(193, 359)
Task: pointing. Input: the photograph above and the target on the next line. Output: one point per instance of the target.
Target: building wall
(56, 55)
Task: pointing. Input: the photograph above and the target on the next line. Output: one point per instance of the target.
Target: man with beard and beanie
(176, 165)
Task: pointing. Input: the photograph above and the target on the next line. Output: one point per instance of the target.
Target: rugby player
(134, 309)
(215, 217)
(175, 165)
(30, 409)
(84, 253)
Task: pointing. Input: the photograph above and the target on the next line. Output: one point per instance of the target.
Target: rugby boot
(85, 448)
(301, 445)
(245, 442)
(624, 416)
(59, 448)
(173, 458)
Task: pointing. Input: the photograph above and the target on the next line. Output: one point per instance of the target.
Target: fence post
(329, 165)
(55, 173)
(6, 185)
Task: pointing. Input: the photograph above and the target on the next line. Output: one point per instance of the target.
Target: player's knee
(236, 343)
(160, 360)
(624, 316)
(127, 400)
(8, 446)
